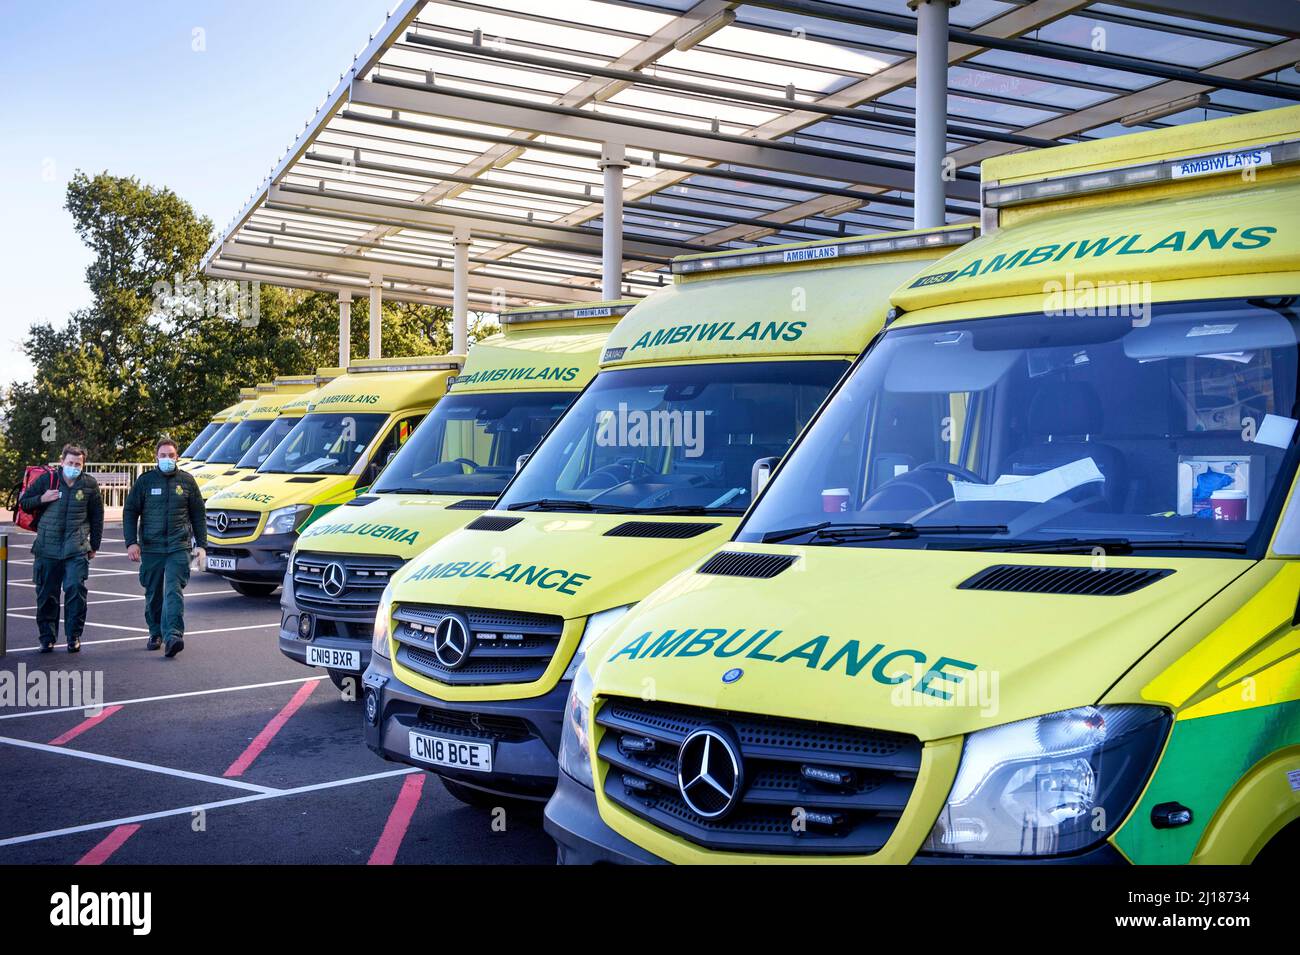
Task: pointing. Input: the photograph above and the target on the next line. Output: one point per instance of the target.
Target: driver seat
(1063, 417)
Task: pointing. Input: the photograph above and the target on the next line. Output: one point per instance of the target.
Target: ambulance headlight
(575, 755)
(286, 520)
(596, 625)
(379, 643)
(1049, 785)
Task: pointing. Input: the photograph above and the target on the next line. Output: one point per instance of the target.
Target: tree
(161, 349)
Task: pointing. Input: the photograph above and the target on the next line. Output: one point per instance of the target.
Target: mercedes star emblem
(451, 641)
(334, 579)
(709, 772)
(221, 521)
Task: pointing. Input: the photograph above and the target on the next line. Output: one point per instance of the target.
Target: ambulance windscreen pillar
(612, 162)
(345, 329)
(376, 316)
(460, 292)
(931, 111)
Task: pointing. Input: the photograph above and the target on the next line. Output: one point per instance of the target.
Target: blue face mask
(71, 472)
(166, 465)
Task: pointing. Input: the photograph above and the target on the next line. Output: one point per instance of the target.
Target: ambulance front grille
(807, 787)
(506, 646)
(363, 578)
(237, 524)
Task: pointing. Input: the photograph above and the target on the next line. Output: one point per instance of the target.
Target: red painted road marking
(390, 840)
(84, 725)
(112, 842)
(263, 739)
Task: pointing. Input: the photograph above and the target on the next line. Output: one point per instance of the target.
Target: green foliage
(159, 350)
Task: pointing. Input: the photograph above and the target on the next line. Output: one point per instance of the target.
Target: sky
(200, 96)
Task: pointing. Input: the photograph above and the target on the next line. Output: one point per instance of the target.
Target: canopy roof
(743, 124)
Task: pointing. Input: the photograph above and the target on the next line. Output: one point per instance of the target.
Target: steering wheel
(921, 488)
(472, 465)
(622, 471)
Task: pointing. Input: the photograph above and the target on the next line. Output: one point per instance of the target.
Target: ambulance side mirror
(759, 475)
(519, 461)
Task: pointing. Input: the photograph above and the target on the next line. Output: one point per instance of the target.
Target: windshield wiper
(848, 533)
(1110, 545)
(685, 509)
(401, 490)
(558, 504)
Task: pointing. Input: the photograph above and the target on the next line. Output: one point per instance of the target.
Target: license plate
(334, 659)
(221, 563)
(452, 753)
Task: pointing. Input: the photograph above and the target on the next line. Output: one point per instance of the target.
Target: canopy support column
(931, 111)
(460, 292)
(612, 162)
(345, 328)
(376, 316)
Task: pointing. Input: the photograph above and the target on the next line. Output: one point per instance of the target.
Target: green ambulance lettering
(545, 578)
(1254, 237)
(720, 331)
(848, 655)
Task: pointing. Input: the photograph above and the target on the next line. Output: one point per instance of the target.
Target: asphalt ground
(229, 753)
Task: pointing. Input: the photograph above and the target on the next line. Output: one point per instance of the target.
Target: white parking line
(118, 626)
(120, 598)
(133, 764)
(189, 810)
(92, 643)
(168, 696)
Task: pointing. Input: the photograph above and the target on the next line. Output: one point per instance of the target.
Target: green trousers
(164, 577)
(51, 576)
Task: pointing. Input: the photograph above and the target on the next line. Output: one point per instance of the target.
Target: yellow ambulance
(1026, 589)
(335, 451)
(702, 387)
(267, 424)
(217, 430)
(514, 386)
(240, 437)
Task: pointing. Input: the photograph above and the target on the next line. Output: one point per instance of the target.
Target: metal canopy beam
(1039, 48)
(574, 123)
(1269, 16)
(365, 266)
(439, 220)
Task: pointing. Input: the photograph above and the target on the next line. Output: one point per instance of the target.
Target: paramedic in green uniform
(71, 524)
(162, 522)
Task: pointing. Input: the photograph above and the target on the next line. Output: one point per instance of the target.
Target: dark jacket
(163, 511)
(70, 526)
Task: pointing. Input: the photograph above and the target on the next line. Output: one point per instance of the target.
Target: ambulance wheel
(253, 590)
(349, 684)
(481, 799)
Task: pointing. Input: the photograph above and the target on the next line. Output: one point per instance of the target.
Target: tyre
(253, 590)
(349, 684)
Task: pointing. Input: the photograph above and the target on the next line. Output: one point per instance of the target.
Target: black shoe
(173, 648)
(155, 643)
(74, 645)
(46, 647)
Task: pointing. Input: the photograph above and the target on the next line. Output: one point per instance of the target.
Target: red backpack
(33, 473)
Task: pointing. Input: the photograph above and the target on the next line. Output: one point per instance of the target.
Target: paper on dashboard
(1033, 489)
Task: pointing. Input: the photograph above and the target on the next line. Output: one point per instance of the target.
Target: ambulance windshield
(672, 439)
(1172, 427)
